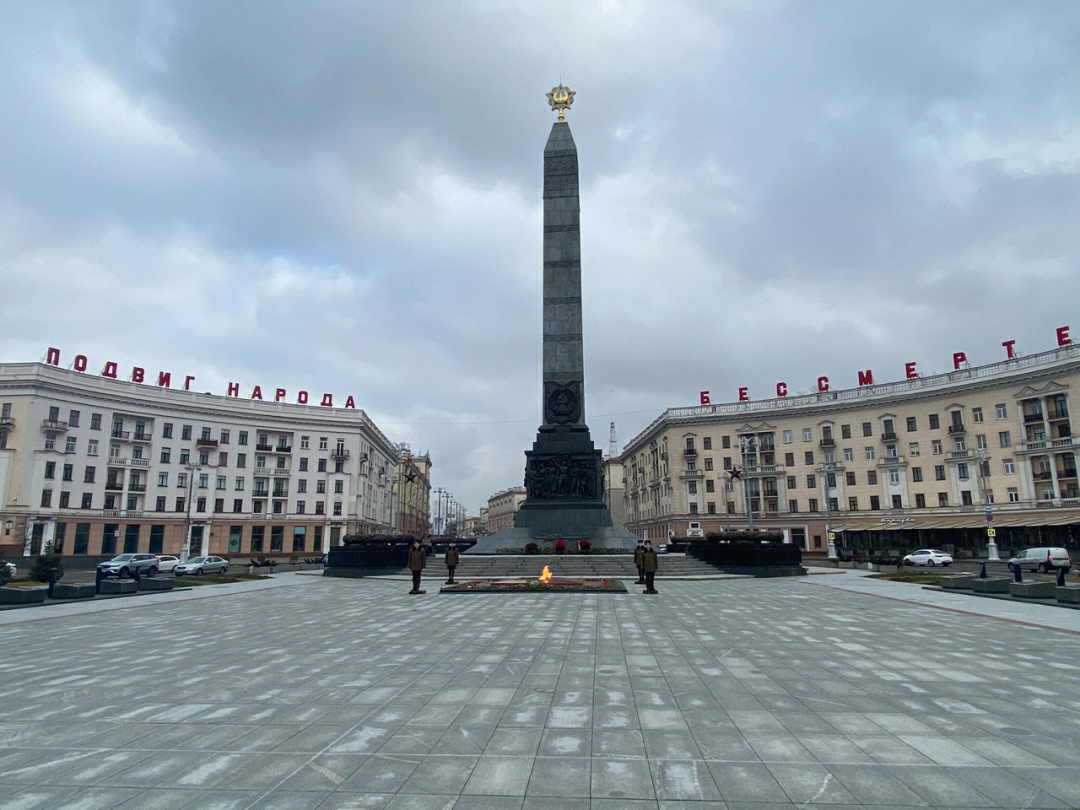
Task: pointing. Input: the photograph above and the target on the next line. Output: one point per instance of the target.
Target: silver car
(202, 565)
(124, 565)
(1043, 558)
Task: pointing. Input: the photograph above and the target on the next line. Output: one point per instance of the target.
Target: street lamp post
(991, 542)
(747, 443)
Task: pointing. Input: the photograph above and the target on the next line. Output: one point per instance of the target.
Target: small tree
(46, 567)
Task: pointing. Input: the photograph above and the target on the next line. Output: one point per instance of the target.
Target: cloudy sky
(344, 197)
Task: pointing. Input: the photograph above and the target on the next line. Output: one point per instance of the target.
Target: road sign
(991, 532)
(832, 535)
(989, 514)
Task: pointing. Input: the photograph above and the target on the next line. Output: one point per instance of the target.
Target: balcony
(1058, 416)
(206, 442)
(281, 493)
(888, 436)
(260, 493)
(117, 461)
(7, 423)
(957, 428)
(689, 451)
(961, 455)
(1042, 475)
(264, 448)
(692, 474)
(827, 441)
(1066, 473)
(137, 488)
(829, 466)
(54, 426)
(141, 436)
(114, 486)
(765, 469)
(140, 462)
(339, 454)
(1032, 417)
(283, 448)
(123, 435)
(893, 461)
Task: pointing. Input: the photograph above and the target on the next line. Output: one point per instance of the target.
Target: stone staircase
(672, 566)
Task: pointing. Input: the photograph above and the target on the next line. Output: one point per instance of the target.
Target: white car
(167, 562)
(928, 556)
(202, 565)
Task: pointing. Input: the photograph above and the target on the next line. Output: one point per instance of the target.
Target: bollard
(97, 582)
(982, 571)
(1017, 575)
(1061, 577)
(135, 575)
(52, 582)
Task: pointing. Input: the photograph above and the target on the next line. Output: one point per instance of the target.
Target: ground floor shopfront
(1013, 529)
(79, 536)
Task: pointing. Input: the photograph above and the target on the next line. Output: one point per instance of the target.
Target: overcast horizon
(345, 198)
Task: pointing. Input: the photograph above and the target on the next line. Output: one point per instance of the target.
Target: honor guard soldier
(639, 561)
(417, 559)
(649, 565)
(453, 557)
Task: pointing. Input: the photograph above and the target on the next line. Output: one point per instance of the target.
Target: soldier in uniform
(453, 557)
(649, 565)
(639, 561)
(417, 559)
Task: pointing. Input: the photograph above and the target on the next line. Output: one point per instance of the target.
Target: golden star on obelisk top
(560, 98)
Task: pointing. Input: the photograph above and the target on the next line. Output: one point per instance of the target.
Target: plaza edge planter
(23, 596)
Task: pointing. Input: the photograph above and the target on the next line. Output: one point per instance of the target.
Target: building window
(185, 433)
(965, 497)
(166, 430)
(875, 503)
(320, 486)
(257, 533)
(181, 479)
(869, 452)
(200, 505)
(73, 419)
(223, 459)
(185, 456)
(811, 482)
(710, 507)
(50, 470)
(943, 499)
(894, 477)
(322, 465)
(238, 485)
(935, 423)
(68, 472)
(693, 509)
(787, 437)
(224, 436)
(920, 501)
(1004, 439)
(299, 507)
(725, 442)
(160, 505)
(808, 457)
(180, 504)
(708, 465)
(50, 442)
(793, 505)
(277, 535)
(64, 496)
(219, 505)
(916, 474)
(813, 505)
(710, 485)
(976, 415)
(706, 443)
(935, 447)
(871, 477)
(692, 487)
(69, 444)
(303, 464)
(939, 472)
(92, 447)
(88, 475)
(322, 443)
(88, 500)
(834, 505)
(1008, 466)
(162, 479)
(791, 482)
(304, 442)
(95, 421)
(298, 538)
(1014, 494)
(320, 508)
(853, 504)
(913, 449)
(301, 485)
(46, 497)
(1001, 411)
(220, 482)
(807, 435)
(849, 479)
(242, 439)
(204, 458)
(241, 460)
(845, 431)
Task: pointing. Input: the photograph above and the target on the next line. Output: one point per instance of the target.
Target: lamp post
(191, 468)
(747, 442)
(991, 542)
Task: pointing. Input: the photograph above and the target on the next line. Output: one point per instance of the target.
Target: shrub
(5, 574)
(560, 546)
(583, 546)
(532, 548)
(45, 566)
(295, 558)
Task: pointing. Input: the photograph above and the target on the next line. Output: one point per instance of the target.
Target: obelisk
(564, 470)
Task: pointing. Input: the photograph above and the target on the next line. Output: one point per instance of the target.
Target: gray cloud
(344, 197)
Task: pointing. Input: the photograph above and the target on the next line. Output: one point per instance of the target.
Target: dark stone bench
(1067, 593)
(111, 587)
(996, 585)
(22, 596)
(1032, 590)
(156, 584)
(74, 590)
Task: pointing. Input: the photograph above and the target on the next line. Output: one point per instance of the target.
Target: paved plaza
(332, 694)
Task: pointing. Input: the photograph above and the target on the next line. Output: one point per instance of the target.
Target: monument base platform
(515, 539)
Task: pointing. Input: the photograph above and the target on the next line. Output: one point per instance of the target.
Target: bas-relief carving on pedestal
(562, 476)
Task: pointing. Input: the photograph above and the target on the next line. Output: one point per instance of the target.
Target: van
(1042, 558)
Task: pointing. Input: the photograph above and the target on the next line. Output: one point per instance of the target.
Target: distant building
(917, 462)
(412, 493)
(501, 508)
(615, 489)
(96, 466)
(472, 526)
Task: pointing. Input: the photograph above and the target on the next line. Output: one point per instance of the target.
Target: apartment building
(937, 459)
(501, 508)
(96, 466)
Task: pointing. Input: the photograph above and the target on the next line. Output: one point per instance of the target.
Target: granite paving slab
(740, 693)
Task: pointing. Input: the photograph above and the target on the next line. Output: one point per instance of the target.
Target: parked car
(167, 562)
(928, 556)
(202, 565)
(1042, 558)
(124, 565)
